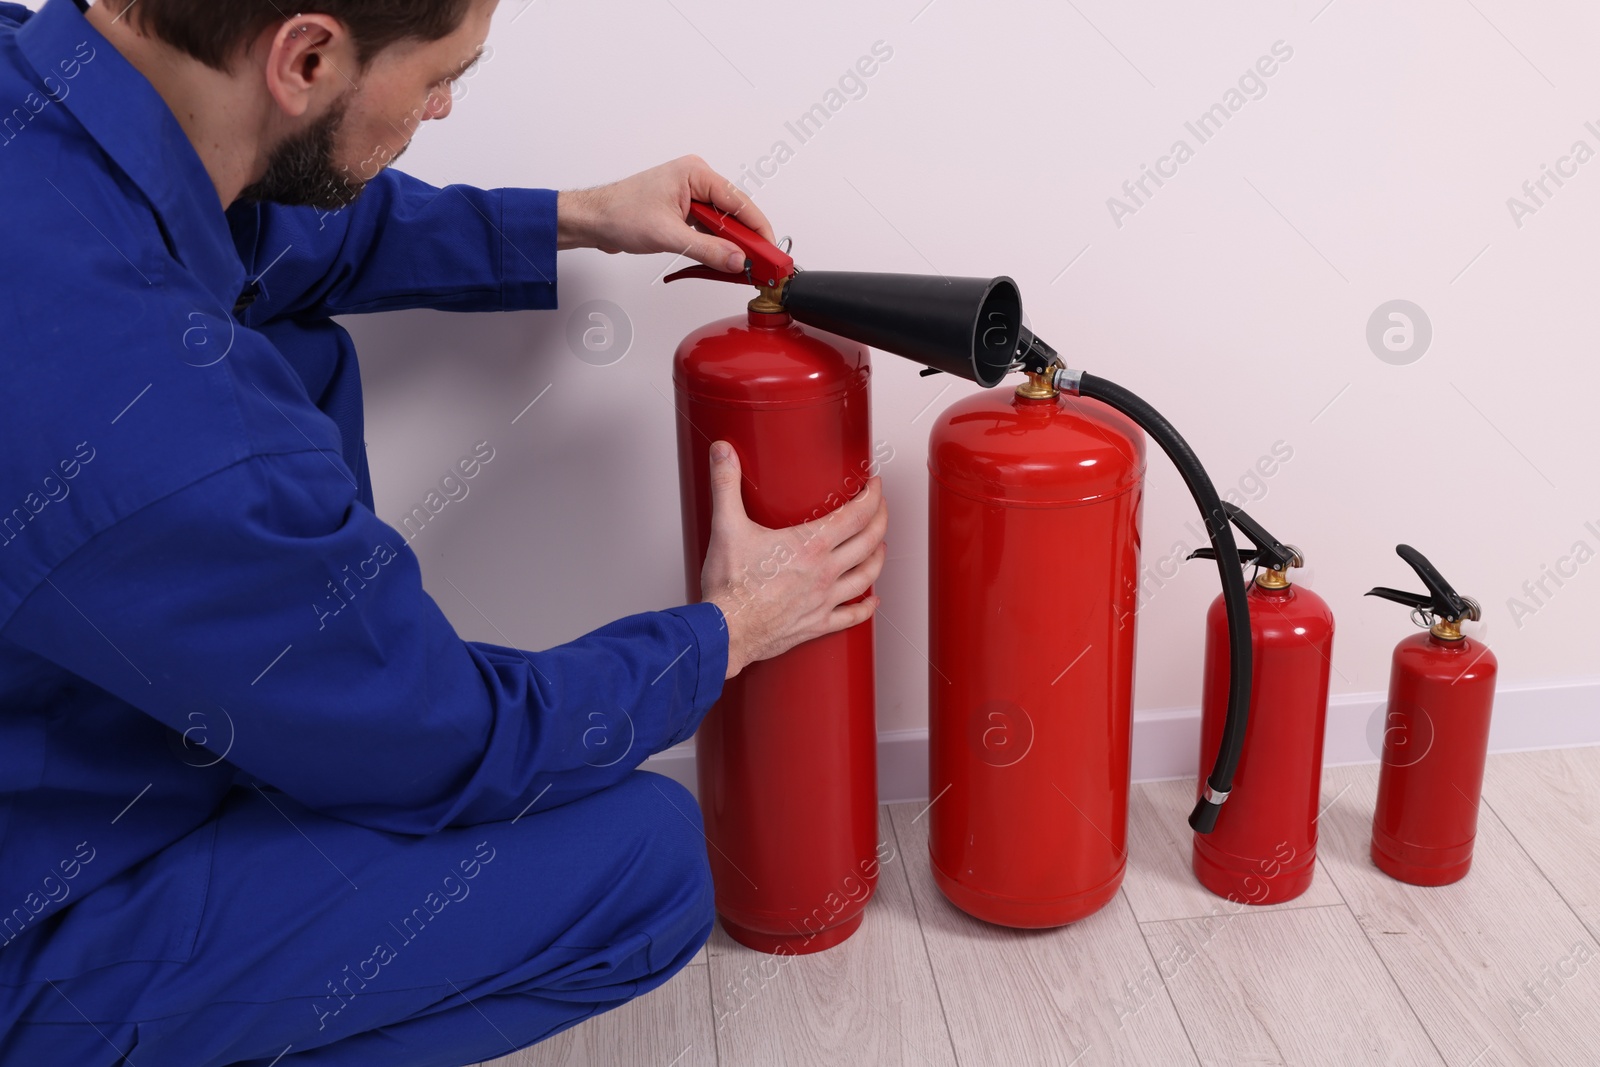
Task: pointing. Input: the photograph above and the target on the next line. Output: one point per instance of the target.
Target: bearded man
(237, 827)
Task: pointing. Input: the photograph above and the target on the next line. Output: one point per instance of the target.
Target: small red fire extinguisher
(1263, 850)
(1436, 736)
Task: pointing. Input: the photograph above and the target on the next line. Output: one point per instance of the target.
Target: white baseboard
(1166, 741)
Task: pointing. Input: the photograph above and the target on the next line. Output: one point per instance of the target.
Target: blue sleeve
(14, 14)
(402, 244)
(264, 601)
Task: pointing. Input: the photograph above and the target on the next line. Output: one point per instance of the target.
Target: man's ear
(309, 56)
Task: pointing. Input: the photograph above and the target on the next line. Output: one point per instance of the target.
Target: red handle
(765, 263)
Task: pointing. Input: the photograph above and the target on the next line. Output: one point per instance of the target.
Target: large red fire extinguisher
(787, 757)
(1264, 852)
(1033, 573)
(1034, 510)
(1436, 736)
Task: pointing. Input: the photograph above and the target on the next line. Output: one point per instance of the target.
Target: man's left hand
(646, 213)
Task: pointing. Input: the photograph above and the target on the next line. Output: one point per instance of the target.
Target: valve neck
(768, 301)
(1275, 579)
(1039, 386)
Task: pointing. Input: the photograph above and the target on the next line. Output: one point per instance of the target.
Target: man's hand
(780, 588)
(646, 213)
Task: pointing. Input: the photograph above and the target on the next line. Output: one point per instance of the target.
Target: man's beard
(301, 170)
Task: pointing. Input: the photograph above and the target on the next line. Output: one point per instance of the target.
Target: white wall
(1376, 166)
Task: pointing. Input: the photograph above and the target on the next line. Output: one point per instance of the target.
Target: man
(236, 827)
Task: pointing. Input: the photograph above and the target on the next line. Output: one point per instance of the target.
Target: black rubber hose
(1204, 817)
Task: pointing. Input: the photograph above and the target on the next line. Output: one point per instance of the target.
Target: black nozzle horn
(1440, 599)
(969, 327)
(1266, 550)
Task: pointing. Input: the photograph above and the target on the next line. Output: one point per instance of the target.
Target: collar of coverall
(119, 108)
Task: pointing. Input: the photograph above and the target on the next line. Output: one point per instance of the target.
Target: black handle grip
(1400, 596)
(1440, 599)
(1270, 552)
(1246, 555)
(1446, 600)
(1267, 550)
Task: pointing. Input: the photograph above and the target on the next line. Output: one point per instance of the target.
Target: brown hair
(215, 31)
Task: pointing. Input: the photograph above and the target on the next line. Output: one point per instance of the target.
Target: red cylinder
(787, 757)
(1435, 743)
(1033, 570)
(1264, 847)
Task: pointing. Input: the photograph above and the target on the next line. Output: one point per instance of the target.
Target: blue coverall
(236, 825)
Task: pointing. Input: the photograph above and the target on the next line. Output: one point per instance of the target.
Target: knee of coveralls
(634, 934)
(666, 890)
(583, 907)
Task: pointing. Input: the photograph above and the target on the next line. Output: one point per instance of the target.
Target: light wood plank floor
(1500, 969)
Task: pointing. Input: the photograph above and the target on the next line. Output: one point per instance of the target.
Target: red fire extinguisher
(1436, 736)
(1034, 502)
(787, 757)
(1264, 852)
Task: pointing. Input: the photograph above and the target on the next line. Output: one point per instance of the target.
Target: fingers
(857, 580)
(849, 518)
(693, 240)
(727, 197)
(714, 252)
(857, 548)
(727, 500)
(847, 615)
(709, 186)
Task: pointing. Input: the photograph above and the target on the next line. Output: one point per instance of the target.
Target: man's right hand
(781, 588)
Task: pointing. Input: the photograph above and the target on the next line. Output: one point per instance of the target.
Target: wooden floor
(1501, 968)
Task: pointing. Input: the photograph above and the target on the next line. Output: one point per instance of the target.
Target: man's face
(328, 163)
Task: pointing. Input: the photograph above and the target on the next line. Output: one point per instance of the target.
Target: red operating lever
(765, 264)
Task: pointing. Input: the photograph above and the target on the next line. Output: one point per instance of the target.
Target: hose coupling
(1066, 380)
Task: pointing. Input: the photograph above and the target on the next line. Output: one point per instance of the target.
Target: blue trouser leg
(349, 946)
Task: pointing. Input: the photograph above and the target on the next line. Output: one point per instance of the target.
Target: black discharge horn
(969, 327)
